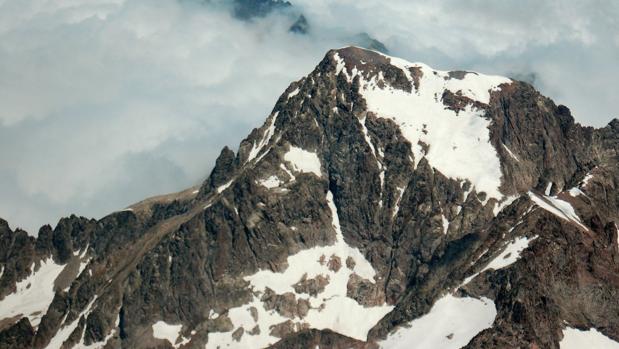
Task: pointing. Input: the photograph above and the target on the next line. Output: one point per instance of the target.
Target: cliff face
(378, 192)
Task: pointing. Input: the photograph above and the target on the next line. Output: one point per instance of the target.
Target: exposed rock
(416, 232)
(335, 263)
(300, 26)
(312, 286)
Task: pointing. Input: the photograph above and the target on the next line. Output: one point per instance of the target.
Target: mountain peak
(377, 192)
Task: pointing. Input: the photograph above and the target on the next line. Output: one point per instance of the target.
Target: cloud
(105, 102)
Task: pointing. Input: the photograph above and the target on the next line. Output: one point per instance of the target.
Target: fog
(106, 102)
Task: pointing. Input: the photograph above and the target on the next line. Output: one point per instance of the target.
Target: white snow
(195, 192)
(586, 180)
(340, 64)
(65, 330)
(574, 338)
(510, 152)
(458, 318)
(396, 209)
(445, 224)
(508, 257)
(459, 143)
(366, 136)
(548, 188)
(283, 167)
(575, 192)
(474, 85)
(271, 182)
(171, 333)
(33, 294)
(511, 253)
(224, 187)
(558, 207)
(506, 202)
(293, 93)
(331, 309)
(303, 160)
(268, 134)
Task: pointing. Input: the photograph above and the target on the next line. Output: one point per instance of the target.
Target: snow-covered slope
(456, 142)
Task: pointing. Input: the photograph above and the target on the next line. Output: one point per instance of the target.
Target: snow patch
(445, 224)
(303, 160)
(575, 192)
(548, 188)
(451, 324)
(510, 152)
(508, 257)
(268, 134)
(396, 209)
(511, 253)
(33, 295)
(459, 143)
(558, 207)
(330, 309)
(574, 338)
(366, 136)
(501, 205)
(163, 330)
(586, 180)
(271, 182)
(293, 93)
(65, 331)
(224, 187)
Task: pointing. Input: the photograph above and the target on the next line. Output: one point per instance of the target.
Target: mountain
(250, 10)
(383, 204)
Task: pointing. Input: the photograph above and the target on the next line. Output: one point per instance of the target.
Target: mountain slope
(378, 192)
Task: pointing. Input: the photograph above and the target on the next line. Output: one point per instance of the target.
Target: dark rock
(300, 26)
(181, 258)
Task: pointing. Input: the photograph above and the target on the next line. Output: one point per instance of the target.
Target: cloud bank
(106, 102)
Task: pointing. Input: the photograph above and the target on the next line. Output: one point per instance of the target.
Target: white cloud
(105, 102)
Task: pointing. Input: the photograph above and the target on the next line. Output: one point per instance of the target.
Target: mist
(106, 102)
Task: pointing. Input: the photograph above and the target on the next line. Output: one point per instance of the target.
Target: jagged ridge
(337, 171)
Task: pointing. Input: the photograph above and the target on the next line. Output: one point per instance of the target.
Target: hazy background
(106, 102)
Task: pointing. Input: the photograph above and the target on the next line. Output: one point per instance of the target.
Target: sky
(106, 102)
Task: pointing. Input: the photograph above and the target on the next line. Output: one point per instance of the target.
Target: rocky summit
(383, 204)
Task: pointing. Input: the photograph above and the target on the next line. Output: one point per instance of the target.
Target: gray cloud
(105, 102)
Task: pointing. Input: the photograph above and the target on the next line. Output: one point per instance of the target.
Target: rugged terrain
(382, 204)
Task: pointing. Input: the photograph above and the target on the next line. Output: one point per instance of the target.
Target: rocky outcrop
(337, 223)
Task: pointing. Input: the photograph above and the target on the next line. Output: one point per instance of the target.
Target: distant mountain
(248, 10)
(383, 204)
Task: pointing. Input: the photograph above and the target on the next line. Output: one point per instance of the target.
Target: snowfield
(33, 295)
(451, 324)
(574, 338)
(330, 309)
(459, 142)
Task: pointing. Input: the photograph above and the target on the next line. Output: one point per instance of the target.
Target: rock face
(383, 204)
